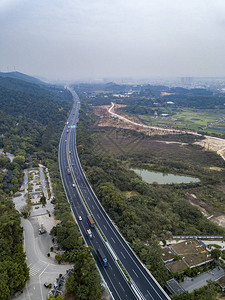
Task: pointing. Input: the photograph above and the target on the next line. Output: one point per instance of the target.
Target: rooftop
(174, 287)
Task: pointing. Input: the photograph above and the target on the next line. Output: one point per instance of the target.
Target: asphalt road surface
(42, 268)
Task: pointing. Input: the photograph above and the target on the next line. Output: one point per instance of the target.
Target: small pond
(160, 178)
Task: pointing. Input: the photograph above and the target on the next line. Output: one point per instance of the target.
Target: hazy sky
(73, 39)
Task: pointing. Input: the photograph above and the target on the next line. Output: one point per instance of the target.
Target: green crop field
(187, 118)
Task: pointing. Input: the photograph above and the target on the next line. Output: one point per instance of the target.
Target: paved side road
(42, 268)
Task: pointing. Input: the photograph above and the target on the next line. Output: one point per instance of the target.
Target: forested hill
(21, 76)
(18, 97)
(30, 115)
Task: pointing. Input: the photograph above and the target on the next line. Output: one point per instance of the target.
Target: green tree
(25, 210)
(43, 200)
(19, 159)
(84, 282)
(58, 257)
(216, 253)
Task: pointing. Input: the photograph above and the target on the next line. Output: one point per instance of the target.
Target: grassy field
(124, 143)
(187, 118)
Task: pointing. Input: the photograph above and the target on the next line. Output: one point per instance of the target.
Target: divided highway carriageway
(83, 201)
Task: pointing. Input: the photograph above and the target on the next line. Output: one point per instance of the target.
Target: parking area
(44, 269)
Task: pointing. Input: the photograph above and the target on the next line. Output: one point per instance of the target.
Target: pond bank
(161, 178)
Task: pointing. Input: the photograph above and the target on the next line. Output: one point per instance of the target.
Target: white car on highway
(80, 218)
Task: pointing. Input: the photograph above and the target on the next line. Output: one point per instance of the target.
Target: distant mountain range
(21, 76)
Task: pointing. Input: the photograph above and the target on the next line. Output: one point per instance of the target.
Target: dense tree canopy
(13, 269)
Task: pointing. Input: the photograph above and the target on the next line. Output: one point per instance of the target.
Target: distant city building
(186, 80)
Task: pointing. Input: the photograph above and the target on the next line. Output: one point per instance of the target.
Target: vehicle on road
(91, 221)
(36, 207)
(74, 185)
(80, 218)
(46, 284)
(89, 233)
(102, 257)
(68, 170)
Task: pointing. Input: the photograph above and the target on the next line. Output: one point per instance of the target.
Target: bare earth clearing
(213, 144)
(108, 119)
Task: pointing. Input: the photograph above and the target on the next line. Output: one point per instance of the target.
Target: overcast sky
(75, 39)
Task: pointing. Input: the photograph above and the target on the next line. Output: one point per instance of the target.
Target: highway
(113, 276)
(144, 284)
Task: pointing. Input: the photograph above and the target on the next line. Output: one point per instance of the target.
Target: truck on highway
(68, 170)
(91, 221)
(89, 233)
(102, 257)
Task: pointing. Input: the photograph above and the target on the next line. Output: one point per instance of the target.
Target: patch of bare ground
(216, 169)
(205, 209)
(220, 220)
(220, 188)
(108, 120)
(172, 142)
(131, 193)
(213, 144)
(106, 295)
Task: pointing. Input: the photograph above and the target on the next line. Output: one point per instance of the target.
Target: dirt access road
(208, 143)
